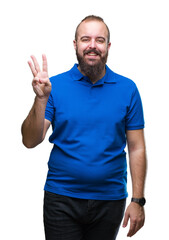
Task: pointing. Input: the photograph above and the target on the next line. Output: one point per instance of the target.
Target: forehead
(92, 29)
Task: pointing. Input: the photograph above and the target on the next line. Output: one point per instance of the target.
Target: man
(92, 111)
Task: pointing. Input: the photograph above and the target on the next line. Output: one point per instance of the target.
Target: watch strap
(140, 201)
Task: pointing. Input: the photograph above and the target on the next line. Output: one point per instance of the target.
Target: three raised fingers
(36, 68)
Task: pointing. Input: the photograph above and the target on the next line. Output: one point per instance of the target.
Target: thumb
(126, 219)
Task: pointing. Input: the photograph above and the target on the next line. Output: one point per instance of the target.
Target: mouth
(92, 53)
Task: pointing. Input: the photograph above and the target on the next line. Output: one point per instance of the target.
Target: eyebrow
(84, 37)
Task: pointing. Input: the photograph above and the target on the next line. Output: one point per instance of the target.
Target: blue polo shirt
(89, 121)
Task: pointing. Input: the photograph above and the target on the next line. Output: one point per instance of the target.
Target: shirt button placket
(92, 92)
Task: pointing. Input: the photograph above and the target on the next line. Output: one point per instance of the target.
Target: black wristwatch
(140, 201)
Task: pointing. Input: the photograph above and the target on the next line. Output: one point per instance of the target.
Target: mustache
(93, 51)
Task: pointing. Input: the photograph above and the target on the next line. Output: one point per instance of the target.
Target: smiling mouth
(92, 52)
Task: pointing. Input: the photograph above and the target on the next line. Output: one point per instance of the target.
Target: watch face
(142, 201)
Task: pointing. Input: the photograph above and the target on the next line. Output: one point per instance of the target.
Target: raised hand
(41, 83)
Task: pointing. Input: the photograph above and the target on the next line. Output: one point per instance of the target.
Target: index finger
(36, 64)
(32, 69)
(45, 65)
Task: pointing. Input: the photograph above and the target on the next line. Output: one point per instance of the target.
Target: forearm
(33, 126)
(138, 162)
(138, 165)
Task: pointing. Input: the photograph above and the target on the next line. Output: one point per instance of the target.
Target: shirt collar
(109, 77)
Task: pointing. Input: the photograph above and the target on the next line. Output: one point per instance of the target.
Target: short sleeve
(49, 112)
(135, 116)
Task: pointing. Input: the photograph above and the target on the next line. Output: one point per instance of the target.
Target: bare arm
(35, 126)
(137, 160)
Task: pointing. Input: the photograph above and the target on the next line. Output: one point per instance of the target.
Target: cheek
(101, 48)
(104, 51)
(81, 49)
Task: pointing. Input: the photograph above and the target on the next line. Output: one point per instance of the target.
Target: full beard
(93, 70)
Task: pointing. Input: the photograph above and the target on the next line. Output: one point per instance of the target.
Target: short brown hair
(95, 18)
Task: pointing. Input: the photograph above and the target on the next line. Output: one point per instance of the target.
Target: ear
(75, 44)
(109, 45)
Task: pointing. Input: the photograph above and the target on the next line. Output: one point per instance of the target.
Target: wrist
(42, 100)
(140, 201)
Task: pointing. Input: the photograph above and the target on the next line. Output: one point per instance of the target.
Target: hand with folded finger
(136, 215)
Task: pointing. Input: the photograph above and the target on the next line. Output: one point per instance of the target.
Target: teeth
(92, 54)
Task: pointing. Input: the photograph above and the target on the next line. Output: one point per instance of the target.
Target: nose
(92, 43)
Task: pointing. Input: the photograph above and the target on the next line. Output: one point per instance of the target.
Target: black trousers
(67, 218)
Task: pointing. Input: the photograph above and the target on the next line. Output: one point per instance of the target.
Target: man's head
(92, 43)
(93, 18)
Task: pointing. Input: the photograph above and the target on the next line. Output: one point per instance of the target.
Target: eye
(100, 40)
(85, 39)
